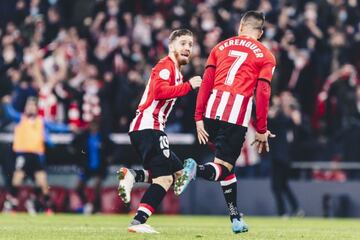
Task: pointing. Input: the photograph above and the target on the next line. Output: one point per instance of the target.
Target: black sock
(141, 175)
(228, 186)
(212, 171)
(149, 202)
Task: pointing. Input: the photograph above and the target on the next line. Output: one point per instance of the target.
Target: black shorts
(153, 149)
(228, 139)
(29, 163)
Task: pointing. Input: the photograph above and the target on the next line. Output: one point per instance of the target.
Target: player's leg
(41, 181)
(37, 169)
(157, 158)
(97, 191)
(143, 142)
(289, 194)
(80, 188)
(229, 141)
(149, 202)
(12, 202)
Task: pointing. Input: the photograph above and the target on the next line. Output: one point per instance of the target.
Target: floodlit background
(89, 60)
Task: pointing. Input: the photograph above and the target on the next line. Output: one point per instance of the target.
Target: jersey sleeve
(163, 76)
(204, 92)
(267, 68)
(211, 61)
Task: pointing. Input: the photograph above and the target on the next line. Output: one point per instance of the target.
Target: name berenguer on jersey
(244, 43)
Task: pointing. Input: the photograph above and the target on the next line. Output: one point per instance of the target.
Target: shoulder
(164, 68)
(268, 55)
(165, 62)
(221, 45)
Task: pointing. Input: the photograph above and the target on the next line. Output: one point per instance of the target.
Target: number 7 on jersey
(240, 59)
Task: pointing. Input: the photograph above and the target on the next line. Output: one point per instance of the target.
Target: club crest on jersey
(164, 145)
(164, 74)
(166, 153)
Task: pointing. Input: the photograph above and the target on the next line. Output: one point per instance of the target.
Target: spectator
(94, 151)
(284, 117)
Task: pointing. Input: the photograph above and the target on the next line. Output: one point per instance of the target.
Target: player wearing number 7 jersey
(238, 70)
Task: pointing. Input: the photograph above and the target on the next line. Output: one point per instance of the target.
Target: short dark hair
(32, 99)
(258, 16)
(178, 33)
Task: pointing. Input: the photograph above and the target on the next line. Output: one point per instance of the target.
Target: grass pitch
(73, 227)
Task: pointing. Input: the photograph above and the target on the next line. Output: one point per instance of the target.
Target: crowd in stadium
(90, 60)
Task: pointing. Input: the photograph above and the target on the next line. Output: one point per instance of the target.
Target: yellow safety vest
(29, 135)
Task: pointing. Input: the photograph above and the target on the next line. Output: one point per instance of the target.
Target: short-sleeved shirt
(239, 62)
(152, 112)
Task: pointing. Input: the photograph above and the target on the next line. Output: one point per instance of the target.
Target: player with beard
(147, 130)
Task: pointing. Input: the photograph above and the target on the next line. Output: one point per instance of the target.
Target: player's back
(238, 62)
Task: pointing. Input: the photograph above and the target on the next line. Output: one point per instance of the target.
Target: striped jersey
(163, 88)
(239, 62)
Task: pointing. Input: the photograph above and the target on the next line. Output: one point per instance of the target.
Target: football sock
(141, 175)
(228, 186)
(212, 171)
(149, 202)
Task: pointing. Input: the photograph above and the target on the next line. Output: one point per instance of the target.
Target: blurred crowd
(89, 60)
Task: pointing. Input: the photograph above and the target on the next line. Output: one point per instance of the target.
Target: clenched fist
(195, 82)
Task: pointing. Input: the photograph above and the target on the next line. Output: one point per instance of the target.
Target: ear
(171, 47)
(260, 34)
(240, 28)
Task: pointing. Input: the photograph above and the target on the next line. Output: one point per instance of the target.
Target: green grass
(72, 227)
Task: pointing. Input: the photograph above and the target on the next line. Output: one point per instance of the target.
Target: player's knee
(17, 178)
(164, 181)
(230, 178)
(225, 172)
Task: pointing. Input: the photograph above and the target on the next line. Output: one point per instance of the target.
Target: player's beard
(181, 59)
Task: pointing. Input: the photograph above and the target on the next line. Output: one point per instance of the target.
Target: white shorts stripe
(145, 210)
(210, 103)
(217, 170)
(234, 114)
(228, 182)
(223, 101)
(248, 113)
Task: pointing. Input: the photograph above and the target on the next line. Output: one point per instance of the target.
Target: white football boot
(126, 183)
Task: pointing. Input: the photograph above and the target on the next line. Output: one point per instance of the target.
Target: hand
(203, 136)
(261, 141)
(195, 82)
(6, 99)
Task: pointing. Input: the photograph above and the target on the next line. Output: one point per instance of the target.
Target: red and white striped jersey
(164, 86)
(238, 63)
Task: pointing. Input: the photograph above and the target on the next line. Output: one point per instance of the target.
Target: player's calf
(152, 198)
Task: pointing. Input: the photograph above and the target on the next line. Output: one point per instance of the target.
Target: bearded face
(182, 48)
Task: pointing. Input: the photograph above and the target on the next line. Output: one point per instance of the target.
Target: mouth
(185, 55)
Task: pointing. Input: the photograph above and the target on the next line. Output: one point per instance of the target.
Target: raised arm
(10, 111)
